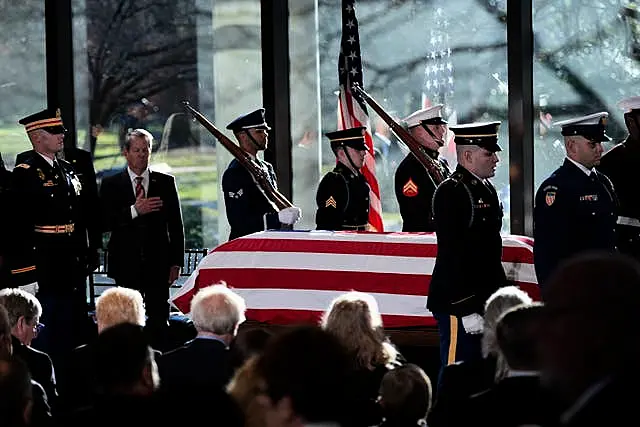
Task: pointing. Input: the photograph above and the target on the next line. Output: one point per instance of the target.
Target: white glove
(473, 323)
(290, 215)
(32, 288)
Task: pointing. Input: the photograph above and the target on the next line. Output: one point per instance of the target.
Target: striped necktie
(139, 187)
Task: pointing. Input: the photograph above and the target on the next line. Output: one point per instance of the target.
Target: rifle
(277, 199)
(433, 168)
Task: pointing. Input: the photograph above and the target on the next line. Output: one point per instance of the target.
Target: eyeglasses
(38, 327)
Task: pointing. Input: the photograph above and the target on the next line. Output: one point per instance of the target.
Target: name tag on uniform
(589, 198)
(49, 184)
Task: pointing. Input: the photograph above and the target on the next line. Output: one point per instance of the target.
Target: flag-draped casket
(290, 277)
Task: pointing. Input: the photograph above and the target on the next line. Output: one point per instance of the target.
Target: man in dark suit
(24, 312)
(576, 207)
(146, 248)
(413, 184)
(49, 236)
(248, 209)
(83, 165)
(204, 363)
(468, 268)
(343, 194)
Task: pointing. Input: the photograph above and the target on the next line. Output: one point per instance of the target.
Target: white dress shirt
(145, 185)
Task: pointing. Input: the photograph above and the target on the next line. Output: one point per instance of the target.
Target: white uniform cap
(432, 114)
(591, 119)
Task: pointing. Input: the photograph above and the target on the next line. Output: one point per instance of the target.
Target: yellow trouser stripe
(453, 339)
(23, 270)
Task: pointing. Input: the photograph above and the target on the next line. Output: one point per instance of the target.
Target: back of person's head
(405, 395)
(6, 348)
(517, 335)
(590, 317)
(500, 301)
(217, 310)
(124, 361)
(20, 303)
(248, 343)
(308, 367)
(355, 320)
(15, 393)
(119, 305)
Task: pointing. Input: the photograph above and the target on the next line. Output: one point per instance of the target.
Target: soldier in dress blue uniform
(343, 194)
(414, 186)
(576, 207)
(619, 165)
(49, 241)
(248, 209)
(468, 267)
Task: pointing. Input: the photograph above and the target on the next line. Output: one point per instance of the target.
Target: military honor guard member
(48, 235)
(468, 267)
(248, 209)
(619, 165)
(343, 194)
(576, 207)
(414, 187)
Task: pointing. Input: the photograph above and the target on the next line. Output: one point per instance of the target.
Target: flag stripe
(292, 317)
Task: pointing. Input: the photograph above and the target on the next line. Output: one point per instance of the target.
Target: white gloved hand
(32, 288)
(290, 215)
(473, 323)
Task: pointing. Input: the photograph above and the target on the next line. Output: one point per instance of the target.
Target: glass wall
(135, 62)
(414, 54)
(586, 60)
(23, 82)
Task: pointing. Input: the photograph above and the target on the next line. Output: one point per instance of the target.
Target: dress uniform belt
(362, 227)
(55, 229)
(625, 220)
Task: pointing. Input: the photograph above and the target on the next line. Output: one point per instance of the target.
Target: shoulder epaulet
(23, 165)
(455, 177)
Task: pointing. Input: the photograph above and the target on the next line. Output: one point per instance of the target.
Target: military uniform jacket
(573, 213)
(414, 191)
(248, 209)
(619, 164)
(342, 200)
(43, 196)
(468, 268)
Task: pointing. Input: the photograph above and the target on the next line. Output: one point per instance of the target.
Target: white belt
(625, 220)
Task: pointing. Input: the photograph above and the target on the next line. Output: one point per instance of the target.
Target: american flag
(354, 114)
(291, 277)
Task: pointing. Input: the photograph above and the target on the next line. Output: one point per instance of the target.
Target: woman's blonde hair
(354, 318)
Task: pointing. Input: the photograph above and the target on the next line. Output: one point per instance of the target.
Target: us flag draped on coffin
(291, 277)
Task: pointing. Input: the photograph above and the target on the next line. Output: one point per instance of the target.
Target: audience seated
(248, 343)
(462, 379)
(24, 312)
(354, 319)
(405, 397)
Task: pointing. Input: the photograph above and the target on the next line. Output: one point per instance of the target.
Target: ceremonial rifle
(259, 175)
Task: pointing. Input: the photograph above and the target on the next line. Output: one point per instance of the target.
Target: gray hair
(138, 133)
(20, 303)
(497, 304)
(218, 310)
(119, 305)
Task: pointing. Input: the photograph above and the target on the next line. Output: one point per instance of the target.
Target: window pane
(414, 54)
(23, 83)
(134, 67)
(586, 60)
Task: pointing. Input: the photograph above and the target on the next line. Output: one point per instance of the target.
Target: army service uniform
(343, 194)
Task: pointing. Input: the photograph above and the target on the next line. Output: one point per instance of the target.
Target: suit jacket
(468, 268)
(573, 213)
(82, 164)
(40, 367)
(143, 249)
(201, 363)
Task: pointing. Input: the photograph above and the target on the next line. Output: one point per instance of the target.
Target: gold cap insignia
(58, 113)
